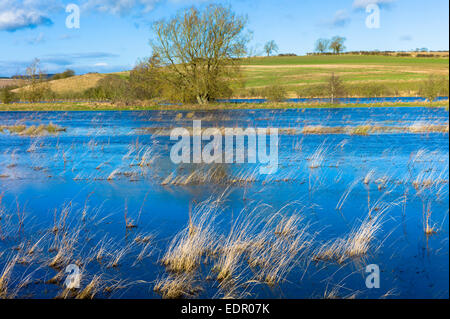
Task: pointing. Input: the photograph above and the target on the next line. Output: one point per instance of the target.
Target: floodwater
(108, 167)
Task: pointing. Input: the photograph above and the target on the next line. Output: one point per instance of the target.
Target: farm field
(402, 73)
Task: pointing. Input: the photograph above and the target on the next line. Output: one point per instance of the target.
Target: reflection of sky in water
(44, 173)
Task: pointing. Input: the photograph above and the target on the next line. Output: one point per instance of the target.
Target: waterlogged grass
(374, 129)
(106, 198)
(32, 130)
(87, 106)
(262, 247)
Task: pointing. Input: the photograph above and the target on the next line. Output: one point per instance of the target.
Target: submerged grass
(5, 276)
(358, 242)
(177, 286)
(33, 130)
(196, 241)
(375, 129)
(258, 248)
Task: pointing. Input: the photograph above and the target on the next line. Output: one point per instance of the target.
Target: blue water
(74, 170)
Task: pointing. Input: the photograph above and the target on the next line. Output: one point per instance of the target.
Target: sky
(114, 34)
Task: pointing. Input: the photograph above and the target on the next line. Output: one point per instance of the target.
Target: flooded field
(97, 192)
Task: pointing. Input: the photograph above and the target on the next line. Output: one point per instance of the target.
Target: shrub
(37, 92)
(66, 74)
(112, 88)
(311, 91)
(7, 96)
(369, 90)
(443, 87)
(144, 79)
(274, 93)
(430, 88)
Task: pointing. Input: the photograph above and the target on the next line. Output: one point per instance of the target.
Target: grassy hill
(402, 73)
(78, 83)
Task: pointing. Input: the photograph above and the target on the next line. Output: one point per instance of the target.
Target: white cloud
(362, 4)
(341, 18)
(120, 7)
(13, 20)
(103, 64)
(124, 7)
(22, 14)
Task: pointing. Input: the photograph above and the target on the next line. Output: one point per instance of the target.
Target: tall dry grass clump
(317, 158)
(5, 276)
(197, 240)
(91, 289)
(359, 241)
(64, 248)
(271, 243)
(241, 237)
(177, 286)
(285, 242)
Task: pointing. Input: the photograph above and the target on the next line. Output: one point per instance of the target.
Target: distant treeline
(421, 54)
(45, 76)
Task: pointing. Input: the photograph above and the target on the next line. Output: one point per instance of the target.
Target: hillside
(78, 83)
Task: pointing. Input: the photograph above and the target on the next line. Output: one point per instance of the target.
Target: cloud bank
(23, 14)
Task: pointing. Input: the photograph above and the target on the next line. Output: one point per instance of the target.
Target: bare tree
(200, 52)
(36, 85)
(337, 44)
(335, 88)
(322, 45)
(270, 47)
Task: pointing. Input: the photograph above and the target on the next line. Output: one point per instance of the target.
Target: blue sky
(114, 34)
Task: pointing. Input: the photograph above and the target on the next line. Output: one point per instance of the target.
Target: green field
(402, 73)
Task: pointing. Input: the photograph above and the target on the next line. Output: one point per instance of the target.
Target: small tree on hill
(337, 44)
(37, 88)
(322, 45)
(270, 47)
